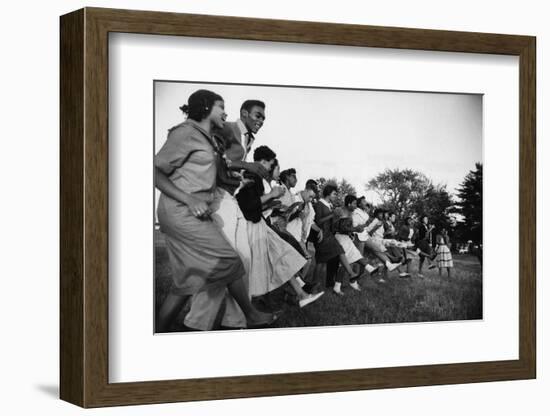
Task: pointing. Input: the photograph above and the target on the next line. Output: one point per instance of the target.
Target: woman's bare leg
(169, 310)
(297, 288)
(305, 270)
(346, 265)
(238, 290)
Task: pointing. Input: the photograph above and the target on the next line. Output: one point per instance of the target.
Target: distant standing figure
(424, 244)
(444, 256)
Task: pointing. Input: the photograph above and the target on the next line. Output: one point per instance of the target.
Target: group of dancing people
(235, 231)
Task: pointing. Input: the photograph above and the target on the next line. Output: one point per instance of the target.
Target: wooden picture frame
(84, 207)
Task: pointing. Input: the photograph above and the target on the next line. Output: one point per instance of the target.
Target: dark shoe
(229, 328)
(263, 323)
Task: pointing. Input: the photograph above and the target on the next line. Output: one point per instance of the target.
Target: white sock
(337, 286)
(300, 281)
(369, 268)
(391, 266)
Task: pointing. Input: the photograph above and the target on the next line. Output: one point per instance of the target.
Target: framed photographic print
(255, 207)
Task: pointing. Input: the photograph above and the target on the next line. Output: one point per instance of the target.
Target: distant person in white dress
(374, 242)
(345, 229)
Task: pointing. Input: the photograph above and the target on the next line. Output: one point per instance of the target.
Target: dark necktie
(249, 140)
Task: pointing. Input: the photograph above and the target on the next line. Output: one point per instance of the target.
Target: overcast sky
(349, 133)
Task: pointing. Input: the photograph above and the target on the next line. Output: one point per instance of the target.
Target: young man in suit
(239, 136)
(236, 139)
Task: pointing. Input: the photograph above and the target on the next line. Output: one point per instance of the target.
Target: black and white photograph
(279, 206)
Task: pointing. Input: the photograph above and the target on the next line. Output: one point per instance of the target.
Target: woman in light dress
(185, 172)
(274, 262)
(344, 231)
(372, 237)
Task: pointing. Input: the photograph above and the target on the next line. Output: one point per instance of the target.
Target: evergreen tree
(470, 205)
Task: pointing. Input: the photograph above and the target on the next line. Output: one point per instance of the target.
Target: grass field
(415, 299)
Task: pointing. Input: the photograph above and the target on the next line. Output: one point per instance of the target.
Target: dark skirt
(327, 249)
(424, 246)
(396, 252)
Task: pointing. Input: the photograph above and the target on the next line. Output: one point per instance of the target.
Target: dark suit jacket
(230, 135)
(229, 139)
(404, 232)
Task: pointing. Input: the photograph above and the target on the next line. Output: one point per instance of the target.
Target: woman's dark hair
(361, 198)
(248, 104)
(312, 184)
(349, 199)
(199, 104)
(285, 174)
(378, 211)
(328, 189)
(264, 153)
(390, 213)
(407, 219)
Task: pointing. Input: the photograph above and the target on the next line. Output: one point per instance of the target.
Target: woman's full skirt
(273, 261)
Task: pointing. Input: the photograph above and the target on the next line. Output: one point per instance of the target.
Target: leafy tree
(436, 204)
(344, 188)
(470, 205)
(410, 193)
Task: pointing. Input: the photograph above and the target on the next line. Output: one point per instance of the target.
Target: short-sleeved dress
(200, 256)
(344, 228)
(300, 226)
(329, 247)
